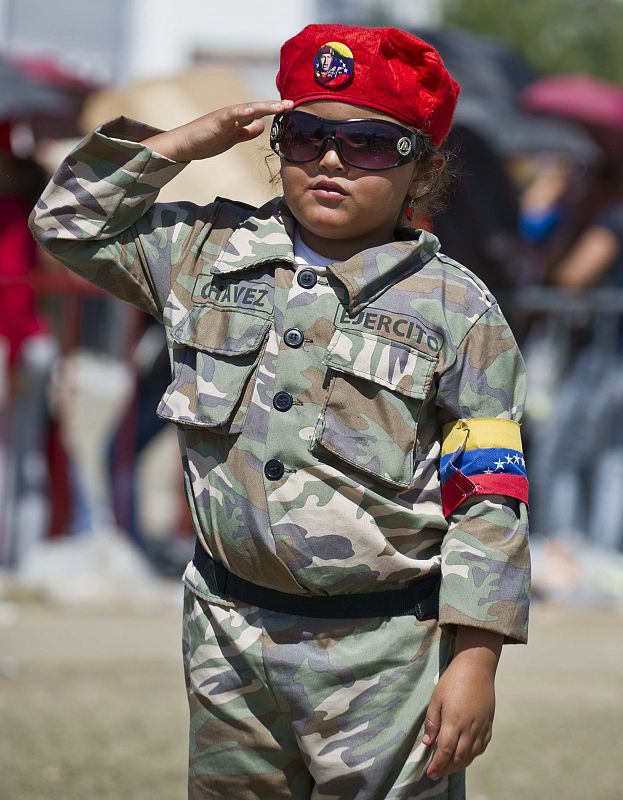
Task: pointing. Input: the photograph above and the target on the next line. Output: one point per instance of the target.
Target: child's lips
(328, 190)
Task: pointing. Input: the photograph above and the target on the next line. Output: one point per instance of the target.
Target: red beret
(382, 68)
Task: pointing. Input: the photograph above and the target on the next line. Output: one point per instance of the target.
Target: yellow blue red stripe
(472, 434)
(485, 460)
(481, 456)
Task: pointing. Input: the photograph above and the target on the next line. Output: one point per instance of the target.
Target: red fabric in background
(18, 315)
(5, 136)
(60, 483)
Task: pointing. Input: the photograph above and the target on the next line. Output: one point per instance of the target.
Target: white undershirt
(304, 256)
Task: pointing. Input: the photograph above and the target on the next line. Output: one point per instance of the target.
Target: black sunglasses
(373, 144)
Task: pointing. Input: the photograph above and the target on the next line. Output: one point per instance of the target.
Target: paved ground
(93, 706)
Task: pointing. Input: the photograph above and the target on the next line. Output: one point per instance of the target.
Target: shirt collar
(368, 274)
(268, 236)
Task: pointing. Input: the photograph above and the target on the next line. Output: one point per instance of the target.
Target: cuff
(123, 137)
(513, 626)
(119, 177)
(485, 568)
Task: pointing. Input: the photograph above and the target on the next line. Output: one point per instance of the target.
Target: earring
(409, 213)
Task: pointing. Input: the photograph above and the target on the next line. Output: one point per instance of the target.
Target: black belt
(420, 597)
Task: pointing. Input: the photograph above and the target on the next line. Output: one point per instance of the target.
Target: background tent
(240, 173)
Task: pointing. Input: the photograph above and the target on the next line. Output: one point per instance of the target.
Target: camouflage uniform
(403, 376)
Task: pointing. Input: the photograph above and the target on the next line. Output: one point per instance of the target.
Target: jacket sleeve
(98, 215)
(485, 557)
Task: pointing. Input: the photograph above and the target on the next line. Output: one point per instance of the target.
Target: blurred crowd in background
(535, 209)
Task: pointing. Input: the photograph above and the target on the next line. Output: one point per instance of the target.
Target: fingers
(444, 754)
(244, 122)
(456, 750)
(242, 116)
(251, 131)
(218, 131)
(432, 722)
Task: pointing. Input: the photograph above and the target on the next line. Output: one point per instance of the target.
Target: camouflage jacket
(341, 437)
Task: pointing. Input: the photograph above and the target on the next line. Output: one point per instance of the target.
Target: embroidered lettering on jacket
(398, 326)
(247, 294)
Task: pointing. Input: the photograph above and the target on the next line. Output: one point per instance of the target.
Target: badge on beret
(334, 65)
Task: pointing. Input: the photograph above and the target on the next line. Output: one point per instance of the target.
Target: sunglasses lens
(301, 139)
(369, 145)
(365, 144)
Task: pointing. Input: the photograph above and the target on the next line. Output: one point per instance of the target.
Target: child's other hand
(216, 132)
(460, 715)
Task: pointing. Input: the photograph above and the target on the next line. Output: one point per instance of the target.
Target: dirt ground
(93, 706)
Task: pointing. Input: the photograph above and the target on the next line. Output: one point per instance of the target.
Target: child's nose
(330, 159)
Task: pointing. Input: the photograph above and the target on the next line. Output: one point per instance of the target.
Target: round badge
(404, 146)
(334, 65)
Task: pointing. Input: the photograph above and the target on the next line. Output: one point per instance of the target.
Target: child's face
(333, 201)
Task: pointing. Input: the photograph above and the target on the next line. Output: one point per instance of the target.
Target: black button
(293, 337)
(307, 278)
(283, 401)
(274, 469)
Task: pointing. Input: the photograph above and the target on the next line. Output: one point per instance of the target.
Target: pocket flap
(391, 364)
(221, 330)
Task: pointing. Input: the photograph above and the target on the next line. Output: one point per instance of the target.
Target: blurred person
(547, 196)
(596, 256)
(583, 493)
(479, 221)
(136, 429)
(596, 260)
(31, 354)
(347, 401)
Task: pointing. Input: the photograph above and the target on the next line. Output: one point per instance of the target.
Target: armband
(481, 456)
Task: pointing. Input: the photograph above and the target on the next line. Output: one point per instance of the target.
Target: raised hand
(216, 132)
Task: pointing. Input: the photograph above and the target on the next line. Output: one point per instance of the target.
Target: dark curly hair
(435, 175)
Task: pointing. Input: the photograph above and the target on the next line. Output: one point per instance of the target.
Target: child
(347, 402)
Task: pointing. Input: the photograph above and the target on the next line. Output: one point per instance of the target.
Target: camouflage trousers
(283, 706)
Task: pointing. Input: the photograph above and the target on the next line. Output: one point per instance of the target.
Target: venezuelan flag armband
(481, 456)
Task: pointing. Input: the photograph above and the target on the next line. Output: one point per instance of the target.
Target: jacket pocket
(215, 351)
(376, 388)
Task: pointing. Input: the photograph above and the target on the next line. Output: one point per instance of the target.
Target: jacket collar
(368, 274)
(264, 237)
(268, 236)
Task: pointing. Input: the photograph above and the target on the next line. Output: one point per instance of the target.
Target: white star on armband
(509, 458)
(499, 464)
(488, 472)
(516, 459)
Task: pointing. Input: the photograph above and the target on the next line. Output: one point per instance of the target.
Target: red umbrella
(21, 95)
(592, 101)
(51, 73)
(62, 121)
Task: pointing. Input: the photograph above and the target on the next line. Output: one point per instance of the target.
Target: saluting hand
(216, 132)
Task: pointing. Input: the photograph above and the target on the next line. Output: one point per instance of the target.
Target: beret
(386, 69)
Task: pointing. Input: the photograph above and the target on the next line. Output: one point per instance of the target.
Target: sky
(122, 40)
